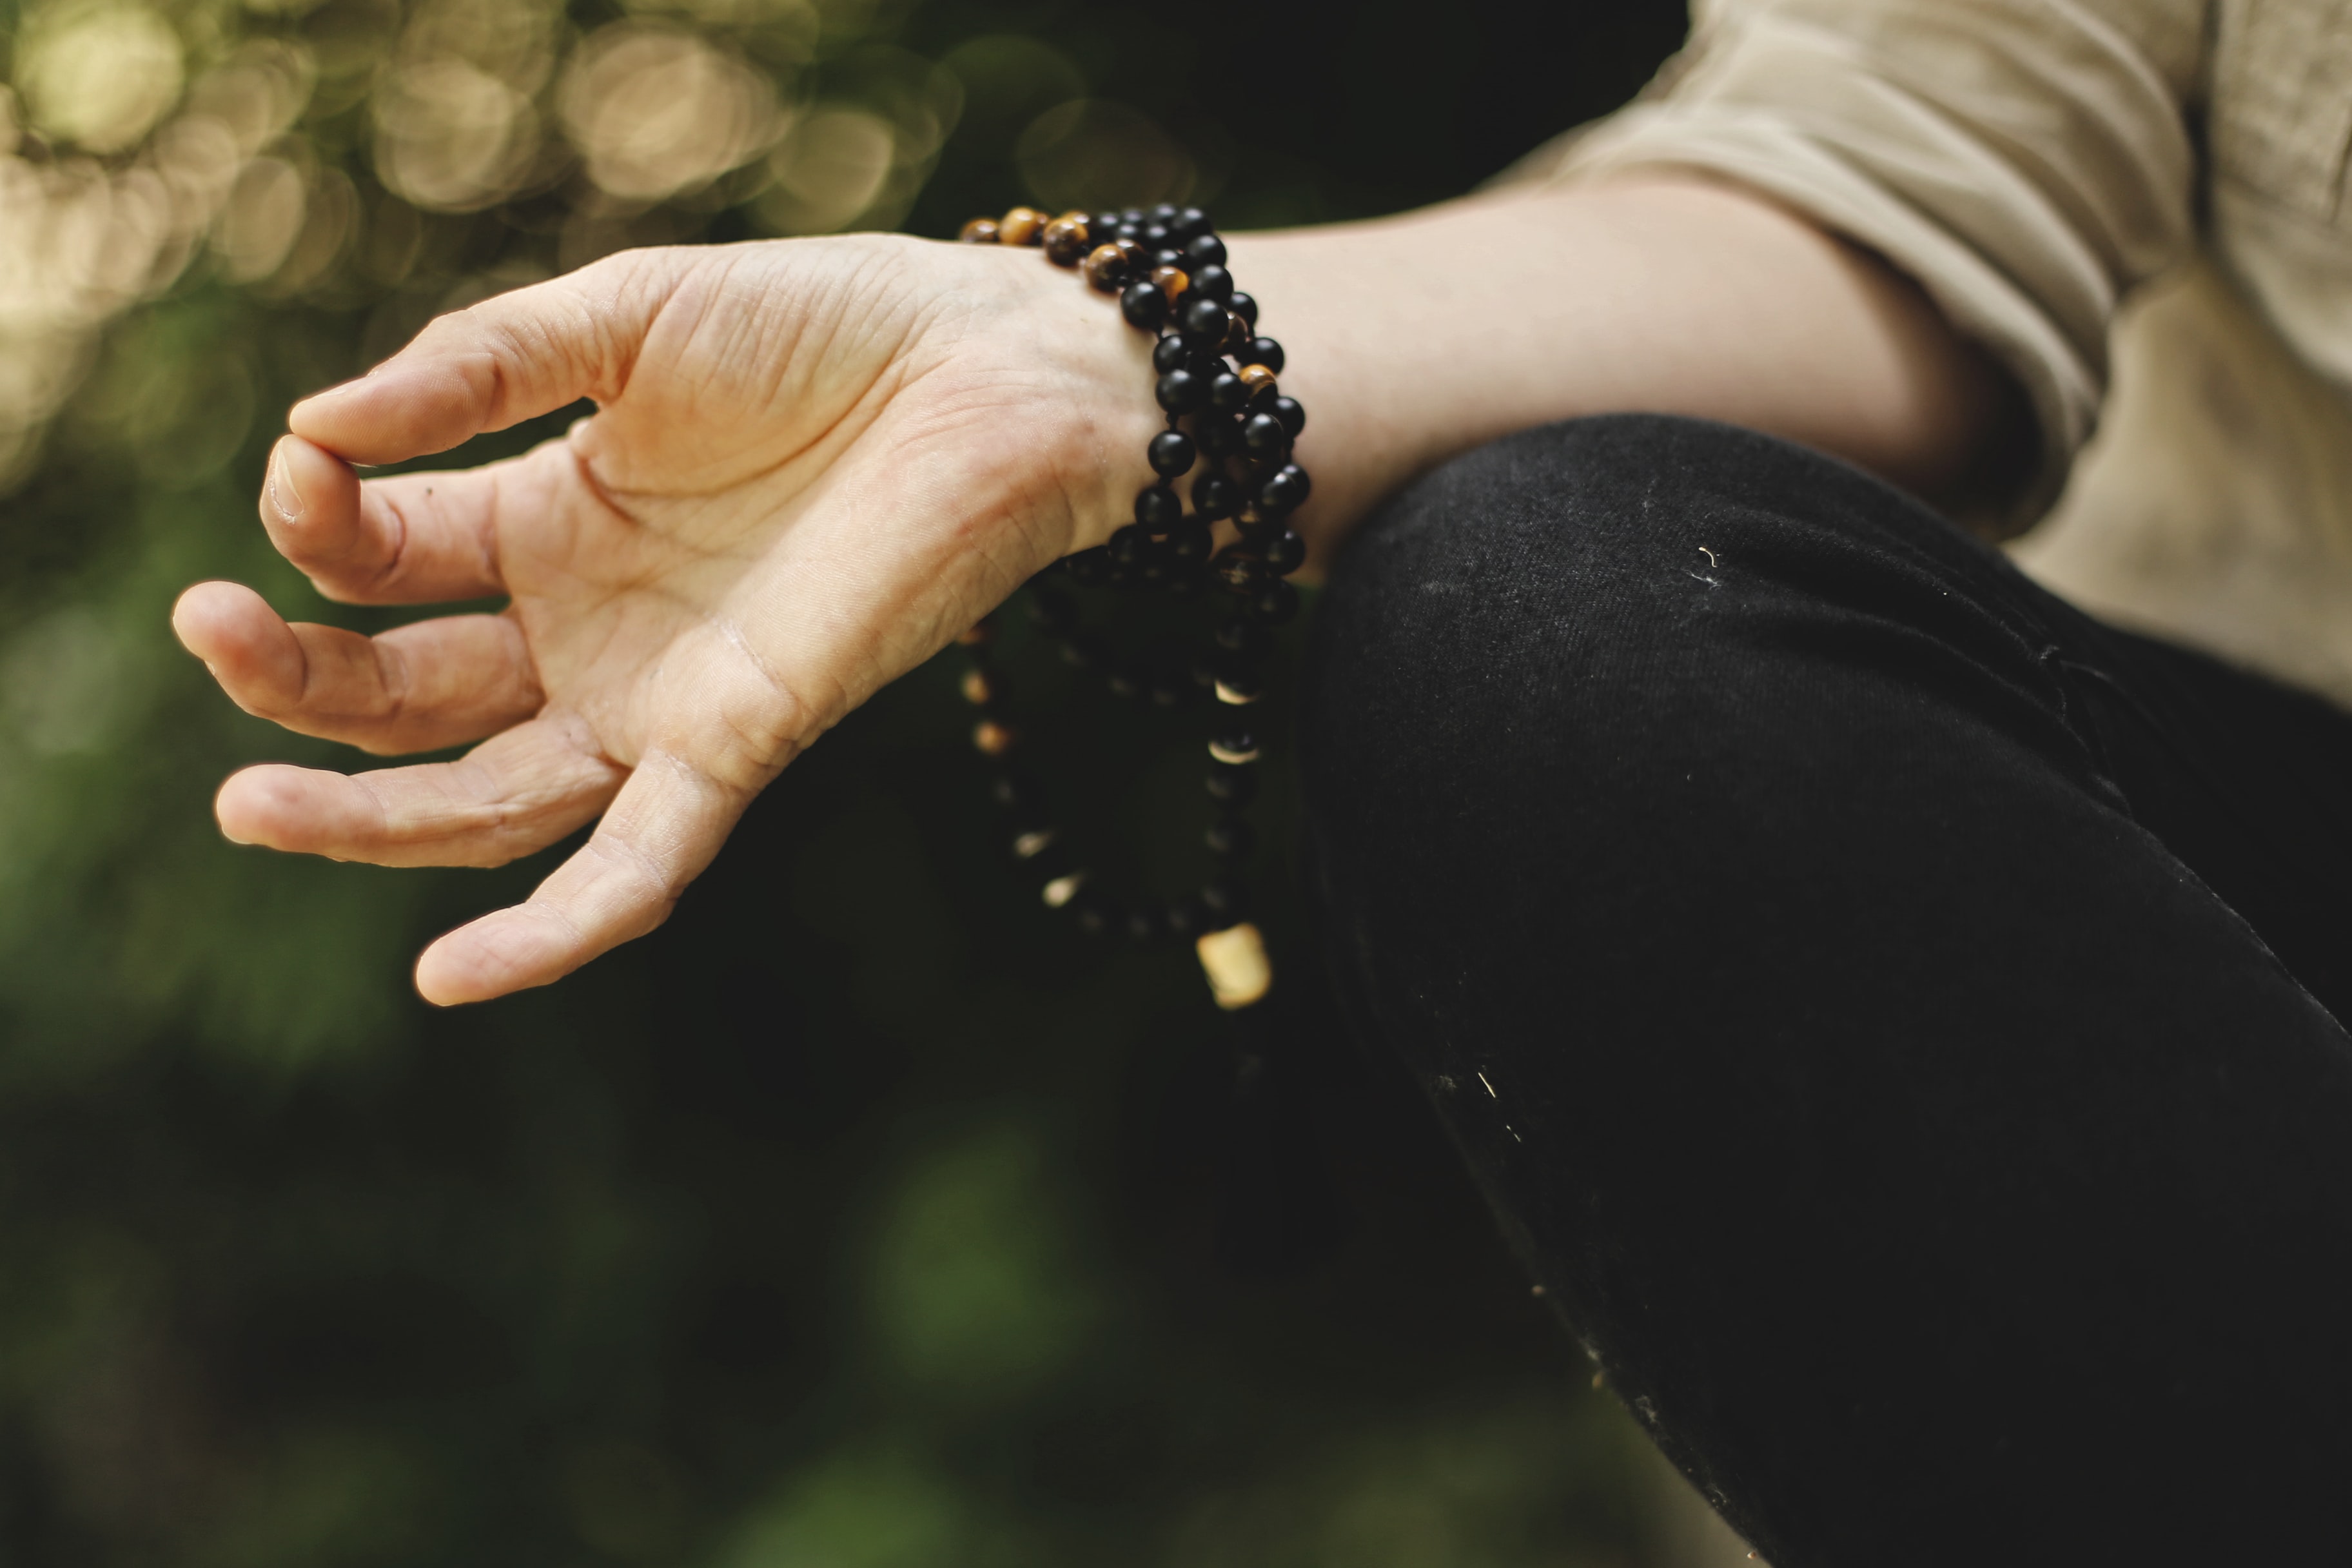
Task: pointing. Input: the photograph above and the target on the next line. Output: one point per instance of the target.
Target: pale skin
(814, 462)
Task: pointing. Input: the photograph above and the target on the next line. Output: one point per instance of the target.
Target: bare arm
(1416, 338)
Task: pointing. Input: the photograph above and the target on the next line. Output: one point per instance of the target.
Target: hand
(812, 463)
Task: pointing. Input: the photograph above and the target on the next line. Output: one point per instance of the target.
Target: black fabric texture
(1893, 1013)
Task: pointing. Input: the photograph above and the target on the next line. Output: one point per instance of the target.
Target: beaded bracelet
(1226, 413)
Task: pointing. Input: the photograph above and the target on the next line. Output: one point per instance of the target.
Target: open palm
(812, 463)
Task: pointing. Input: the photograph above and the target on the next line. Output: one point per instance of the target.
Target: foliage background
(861, 1218)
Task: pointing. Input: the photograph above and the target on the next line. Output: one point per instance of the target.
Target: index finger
(510, 358)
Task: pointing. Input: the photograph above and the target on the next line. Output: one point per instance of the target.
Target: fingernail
(279, 487)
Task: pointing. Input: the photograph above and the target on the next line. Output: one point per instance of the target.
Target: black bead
(1154, 235)
(1190, 221)
(1244, 306)
(1051, 611)
(1233, 783)
(1084, 649)
(1241, 573)
(1244, 638)
(1274, 602)
(1215, 496)
(1095, 914)
(1219, 435)
(1164, 257)
(1240, 675)
(1230, 837)
(1128, 546)
(1102, 228)
(1206, 251)
(1228, 393)
(1170, 354)
(1163, 213)
(1213, 283)
(1187, 916)
(1144, 306)
(1264, 435)
(1188, 541)
(1018, 794)
(1286, 409)
(1228, 900)
(1265, 352)
(1171, 453)
(1180, 391)
(1158, 508)
(1206, 320)
(1285, 552)
(1087, 567)
(1283, 490)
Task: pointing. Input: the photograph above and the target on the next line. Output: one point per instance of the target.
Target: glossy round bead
(1246, 638)
(1237, 338)
(1283, 490)
(1213, 283)
(1231, 785)
(1138, 260)
(1244, 306)
(1180, 391)
(1215, 496)
(1163, 256)
(1104, 267)
(1265, 352)
(1051, 611)
(1259, 379)
(1187, 916)
(1066, 240)
(1163, 213)
(978, 231)
(1206, 320)
(1208, 250)
(1128, 546)
(980, 634)
(1228, 393)
(1227, 899)
(1102, 226)
(1234, 742)
(1170, 281)
(1170, 453)
(1238, 570)
(980, 689)
(1285, 553)
(1230, 838)
(1236, 680)
(1021, 225)
(1190, 223)
(1286, 409)
(1157, 509)
(1264, 435)
(1274, 602)
(1084, 649)
(1086, 568)
(1188, 541)
(992, 737)
(1154, 236)
(1143, 306)
(1170, 354)
(1220, 436)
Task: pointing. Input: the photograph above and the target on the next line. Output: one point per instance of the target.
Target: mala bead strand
(1230, 430)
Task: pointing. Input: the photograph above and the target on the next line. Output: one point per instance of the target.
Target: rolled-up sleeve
(2027, 162)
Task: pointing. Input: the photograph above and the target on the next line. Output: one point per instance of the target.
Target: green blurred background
(863, 1217)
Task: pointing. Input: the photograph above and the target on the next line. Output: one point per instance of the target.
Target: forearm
(1414, 338)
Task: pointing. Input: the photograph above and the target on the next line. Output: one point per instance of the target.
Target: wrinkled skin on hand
(812, 463)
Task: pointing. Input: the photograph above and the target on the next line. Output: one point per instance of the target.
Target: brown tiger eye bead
(978, 231)
(1106, 269)
(1066, 240)
(978, 689)
(992, 737)
(1259, 380)
(1021, 225)
(1170, 281)
(1138, 260)
(1237, 337)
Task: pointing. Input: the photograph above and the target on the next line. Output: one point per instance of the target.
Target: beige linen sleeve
(2028, 162)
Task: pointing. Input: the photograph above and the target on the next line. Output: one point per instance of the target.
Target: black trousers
(1894, 1014)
